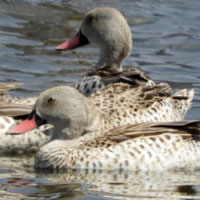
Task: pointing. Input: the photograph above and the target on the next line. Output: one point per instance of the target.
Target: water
(166, 37)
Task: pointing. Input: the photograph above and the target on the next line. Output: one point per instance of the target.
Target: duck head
(109, 30)
(71, 114)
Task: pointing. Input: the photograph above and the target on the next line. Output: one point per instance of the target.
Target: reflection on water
(166, 45)
(24, 182)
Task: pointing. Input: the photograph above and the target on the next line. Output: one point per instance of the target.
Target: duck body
(155, 146)
(97, 79)
(121, 104)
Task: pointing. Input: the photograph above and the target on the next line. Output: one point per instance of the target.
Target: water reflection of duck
(93, 143)
(94, 184)
(139, 185)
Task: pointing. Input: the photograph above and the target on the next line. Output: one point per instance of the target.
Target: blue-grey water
(166, 38)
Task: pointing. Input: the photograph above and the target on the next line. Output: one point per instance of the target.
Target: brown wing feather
(132, 76)
(151, 94)
(187, 129)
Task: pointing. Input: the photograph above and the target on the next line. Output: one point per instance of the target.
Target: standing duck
(95, 140)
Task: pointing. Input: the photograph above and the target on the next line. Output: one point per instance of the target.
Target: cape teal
(98, 132)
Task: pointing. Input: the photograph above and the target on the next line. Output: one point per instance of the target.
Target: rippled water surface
(166, 37)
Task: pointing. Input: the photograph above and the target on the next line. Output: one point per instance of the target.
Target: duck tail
(183, 101)
(191, 95)
(185, 94)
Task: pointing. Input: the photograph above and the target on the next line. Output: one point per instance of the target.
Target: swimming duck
(87, 137)
(108, 29)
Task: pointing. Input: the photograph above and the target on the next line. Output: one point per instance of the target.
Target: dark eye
(91, 19)
(51, 101)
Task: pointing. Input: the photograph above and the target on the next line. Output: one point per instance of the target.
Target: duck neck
(110, 59)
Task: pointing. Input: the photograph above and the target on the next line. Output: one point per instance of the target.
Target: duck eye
(91, 19)
(51, 101)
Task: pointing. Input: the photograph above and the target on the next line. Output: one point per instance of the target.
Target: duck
(86, 138)
(108, 29)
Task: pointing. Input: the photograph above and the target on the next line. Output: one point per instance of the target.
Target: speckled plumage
(155, 146)
(87, 123)
(28, 142)
(122, 104)
(97, 79)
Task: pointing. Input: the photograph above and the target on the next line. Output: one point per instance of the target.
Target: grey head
(71, 113)
(109, 30)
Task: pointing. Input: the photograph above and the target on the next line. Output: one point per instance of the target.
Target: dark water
(166, 37)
